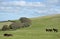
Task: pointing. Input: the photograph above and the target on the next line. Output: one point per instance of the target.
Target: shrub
(5, 27)
(26, 24)
(15, 25)
(25, 20)
(9, 20)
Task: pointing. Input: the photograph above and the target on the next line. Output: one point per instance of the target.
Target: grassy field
(36, 30)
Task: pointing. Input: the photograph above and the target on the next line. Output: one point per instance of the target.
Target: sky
(14, 9)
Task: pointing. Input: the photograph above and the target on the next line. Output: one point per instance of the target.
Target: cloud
(52, 2)
(54, 10)
(14, 6)
(9, 9)
(36, 4)
(22, 3)
(41, 11)
(22, 6)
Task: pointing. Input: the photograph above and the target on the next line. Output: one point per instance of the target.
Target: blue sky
(14, 9)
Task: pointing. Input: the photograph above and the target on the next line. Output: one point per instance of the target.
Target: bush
(26, 24)
(5, 27)
(9, 20)
(16, 25)
(25, 20)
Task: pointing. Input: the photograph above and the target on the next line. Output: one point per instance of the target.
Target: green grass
(36, 30)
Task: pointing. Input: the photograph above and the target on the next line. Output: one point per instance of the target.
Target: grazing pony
(55, 30)
(48, 30)
(8, 35)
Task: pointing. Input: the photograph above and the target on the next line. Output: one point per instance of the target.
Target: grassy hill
(37, 29)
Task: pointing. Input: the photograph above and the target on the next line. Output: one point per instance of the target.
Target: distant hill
(37, 29)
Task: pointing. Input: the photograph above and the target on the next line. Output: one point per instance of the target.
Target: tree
(25, 21)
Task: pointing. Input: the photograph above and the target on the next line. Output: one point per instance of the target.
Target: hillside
(37, 29)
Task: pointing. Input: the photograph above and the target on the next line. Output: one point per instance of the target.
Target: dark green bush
(15, 25)
(26, 21)
(9, 20)
(5, 27)
(26, 24)
(23, 22)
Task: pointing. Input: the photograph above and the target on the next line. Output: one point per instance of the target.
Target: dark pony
(48, 30)
(8, 35)
(55, 30)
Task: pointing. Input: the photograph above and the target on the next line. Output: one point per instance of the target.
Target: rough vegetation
(25, 22)
(5, 27)
(16, 25)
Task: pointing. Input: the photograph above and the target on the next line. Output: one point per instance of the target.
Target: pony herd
(52, 30)
(47, 30)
